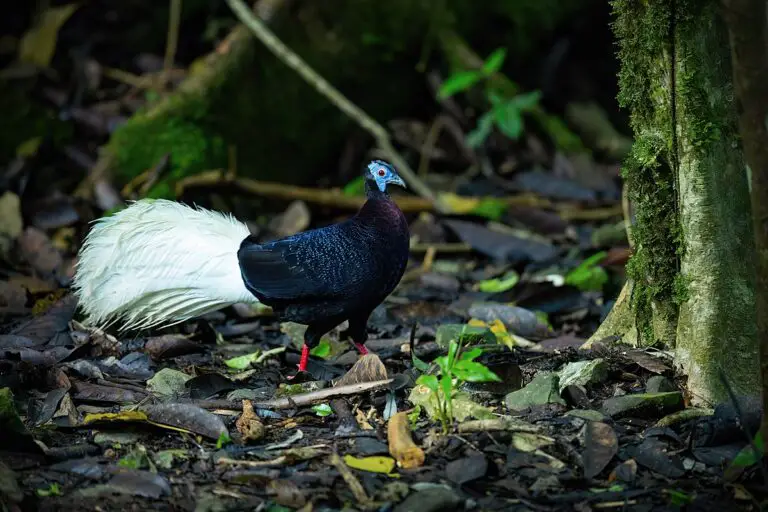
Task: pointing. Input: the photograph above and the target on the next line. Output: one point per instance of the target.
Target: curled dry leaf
(401, 445)
(601, 444)
(248, 424)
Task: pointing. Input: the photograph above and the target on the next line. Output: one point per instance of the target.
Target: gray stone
(659, 384)
(543, 389)
(430, 500)
(583, 373)
(643, 404)
(587, 414)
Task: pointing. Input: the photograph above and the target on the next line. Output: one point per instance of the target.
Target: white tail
(159, 262)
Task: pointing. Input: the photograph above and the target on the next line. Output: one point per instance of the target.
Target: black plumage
(339, 272)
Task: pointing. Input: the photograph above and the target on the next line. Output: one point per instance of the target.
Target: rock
(543, 389)
(471, 334)
(437, 499)
(643, 404)
(587, 414)
(466, 469)
(583, 373)
(659, 384)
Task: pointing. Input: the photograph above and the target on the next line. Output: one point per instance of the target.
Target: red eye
(382, 172)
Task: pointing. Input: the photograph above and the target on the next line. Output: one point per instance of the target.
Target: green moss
(644, 33)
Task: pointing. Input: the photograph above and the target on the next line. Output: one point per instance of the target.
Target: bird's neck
(379, 211)
(372, 191)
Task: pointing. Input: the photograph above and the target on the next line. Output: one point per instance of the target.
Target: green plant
(455, 368)
(506, 113)
(52, 490)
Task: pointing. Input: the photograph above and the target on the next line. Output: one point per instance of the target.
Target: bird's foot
(361, 348)
(302, 362)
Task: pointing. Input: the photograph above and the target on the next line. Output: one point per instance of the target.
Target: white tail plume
(159, 262)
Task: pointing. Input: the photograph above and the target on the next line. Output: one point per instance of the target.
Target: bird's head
(383, 174)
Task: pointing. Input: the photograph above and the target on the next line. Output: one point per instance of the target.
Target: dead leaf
(401, 445)
(38, 250)
(13, 298)
(248, 424)
(368, 368)
(287, 493)
(600, 446)
(647, 361)
(38, 44)
(169, 346)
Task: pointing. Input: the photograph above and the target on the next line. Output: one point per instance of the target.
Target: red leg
(304, 358)
(361, 348)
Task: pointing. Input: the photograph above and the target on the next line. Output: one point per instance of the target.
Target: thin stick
(172, 41)
(281, 51)
(301, 400)
(354, 484)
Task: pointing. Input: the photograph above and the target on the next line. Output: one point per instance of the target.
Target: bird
(159, 262)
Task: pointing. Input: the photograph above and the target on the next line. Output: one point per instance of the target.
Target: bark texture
(693, 272)
(748, 27)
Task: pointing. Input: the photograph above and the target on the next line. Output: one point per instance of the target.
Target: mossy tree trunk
(692, 274)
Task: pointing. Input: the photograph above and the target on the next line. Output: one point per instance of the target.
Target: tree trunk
(748, 27)
(692, 274)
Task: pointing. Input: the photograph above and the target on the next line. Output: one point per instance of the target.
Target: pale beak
(397, 180)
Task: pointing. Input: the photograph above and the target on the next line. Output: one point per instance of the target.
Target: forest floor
(209, 414)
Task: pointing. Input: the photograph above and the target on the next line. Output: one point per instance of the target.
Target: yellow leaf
(374, 464)
(498, 327)
(38, 44)
(115, 416)
(457, 204)
(28, 147)
(475, 322)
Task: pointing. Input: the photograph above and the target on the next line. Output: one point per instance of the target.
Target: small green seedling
(456, 368)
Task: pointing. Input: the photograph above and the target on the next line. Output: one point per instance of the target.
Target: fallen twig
(300, 400)
(354, 484)
(280, 50)
(498, 424)
(410, 204)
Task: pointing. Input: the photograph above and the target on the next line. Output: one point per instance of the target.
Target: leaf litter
(201, 415)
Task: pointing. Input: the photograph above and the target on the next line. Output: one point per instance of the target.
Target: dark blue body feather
(326, 276)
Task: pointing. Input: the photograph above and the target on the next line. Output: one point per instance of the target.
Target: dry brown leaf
(248, 424)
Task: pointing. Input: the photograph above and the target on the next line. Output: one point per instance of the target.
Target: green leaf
(587, 276)
(746, 457)
(471, 355)
(490, 208)
(525, 102)
(442, 362)
(509, 120)
(52, 490)
(429, 381)
(471, 371)
(419, 364)
(322, 410)
(476, 137)
(446, 383)
(499, 285)
(322, 350)
(356, 187)
(494, 61)
(460, 81)
(223, 440)
(242, 362)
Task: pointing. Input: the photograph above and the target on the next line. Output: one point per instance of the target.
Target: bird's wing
(323, 263)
